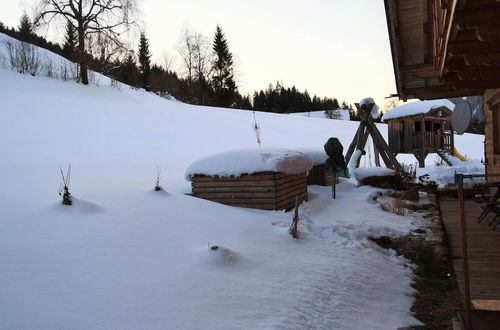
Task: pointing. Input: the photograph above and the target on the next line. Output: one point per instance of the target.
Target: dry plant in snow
(256, 129)
(64, 189)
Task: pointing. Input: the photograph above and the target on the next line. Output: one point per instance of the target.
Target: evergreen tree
(25, 28)
(223, 77)
(70, 41)
(144, 62)
(130, 72)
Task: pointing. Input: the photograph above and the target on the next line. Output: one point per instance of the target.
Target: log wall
(492, 131)
(268, 191)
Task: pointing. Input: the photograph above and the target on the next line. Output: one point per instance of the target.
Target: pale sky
(333, 48)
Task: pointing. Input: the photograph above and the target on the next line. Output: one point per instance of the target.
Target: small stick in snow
(295, 222)
(256, 129)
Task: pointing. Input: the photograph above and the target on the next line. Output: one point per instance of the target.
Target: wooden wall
(492, 131)
(317, 176)
(268, 191)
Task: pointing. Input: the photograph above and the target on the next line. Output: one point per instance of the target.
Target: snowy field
(125, 257)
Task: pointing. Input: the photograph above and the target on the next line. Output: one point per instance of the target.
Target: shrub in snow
(23, 57)
(64, 190)
(158, 177)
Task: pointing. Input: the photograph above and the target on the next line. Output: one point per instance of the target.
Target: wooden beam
(478, 16)
(488, 31)
(473, 46)
(483, 58)
(479, 72)
(439, 92)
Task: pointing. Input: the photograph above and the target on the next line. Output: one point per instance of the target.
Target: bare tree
(168, 61)
(195, 52)
(107, 18)
(390, 104)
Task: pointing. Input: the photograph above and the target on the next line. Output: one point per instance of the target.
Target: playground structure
(421, 128)
(368, 128)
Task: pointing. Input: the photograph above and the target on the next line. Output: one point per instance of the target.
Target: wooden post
(377, 155)
(352, 146)
(465, 261)
(334, 186)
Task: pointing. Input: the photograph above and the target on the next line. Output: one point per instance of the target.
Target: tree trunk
(84, 78)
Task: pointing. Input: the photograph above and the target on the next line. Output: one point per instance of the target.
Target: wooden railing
(430, 140)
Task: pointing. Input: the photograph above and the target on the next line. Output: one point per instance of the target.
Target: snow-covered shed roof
(318, 155)
(251, 160)
(416, 108)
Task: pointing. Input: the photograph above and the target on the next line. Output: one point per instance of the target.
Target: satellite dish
(461, 117)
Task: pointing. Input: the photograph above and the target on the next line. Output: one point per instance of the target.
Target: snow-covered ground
(124, 256)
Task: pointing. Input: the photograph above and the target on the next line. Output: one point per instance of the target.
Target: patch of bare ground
(437, 296)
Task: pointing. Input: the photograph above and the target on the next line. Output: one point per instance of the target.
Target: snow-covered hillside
(124, 256)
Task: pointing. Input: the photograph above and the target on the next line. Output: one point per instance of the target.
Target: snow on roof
(318, 155)
(365, 172)
(251, 160)
(417, 107)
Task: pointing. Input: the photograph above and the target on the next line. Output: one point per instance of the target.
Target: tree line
(208, 68)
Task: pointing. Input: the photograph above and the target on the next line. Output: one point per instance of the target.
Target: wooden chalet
(444, 49)
(449, 48)
(420, 133)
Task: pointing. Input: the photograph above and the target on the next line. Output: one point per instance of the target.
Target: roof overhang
(444, 48)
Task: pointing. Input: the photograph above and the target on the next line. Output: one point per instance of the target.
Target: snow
(369, 100)
(416, 108)
(318, 156)
(342, 113)
(365, 172)
(251, 160)
(124, 256)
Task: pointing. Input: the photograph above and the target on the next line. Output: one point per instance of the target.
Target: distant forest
(208, 77)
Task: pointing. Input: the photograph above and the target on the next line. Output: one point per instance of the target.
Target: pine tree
(70, 41)
(223, 77)
(129, 71)
(144, 62)
(25, 28)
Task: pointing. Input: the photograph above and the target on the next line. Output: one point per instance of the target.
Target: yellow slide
(459, 155)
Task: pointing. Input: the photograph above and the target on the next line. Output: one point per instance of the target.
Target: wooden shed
(263, 190)
(269, 179)
(421, 128)
(317, 175)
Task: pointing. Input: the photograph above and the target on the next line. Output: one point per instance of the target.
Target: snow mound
(251, 160)
(416, 108)
(365, 172)
(79, 206)
(318, 155)
(219, 255)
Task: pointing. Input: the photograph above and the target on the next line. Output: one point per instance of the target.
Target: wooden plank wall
(317, 176)
(492, 130)
(268, 191)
